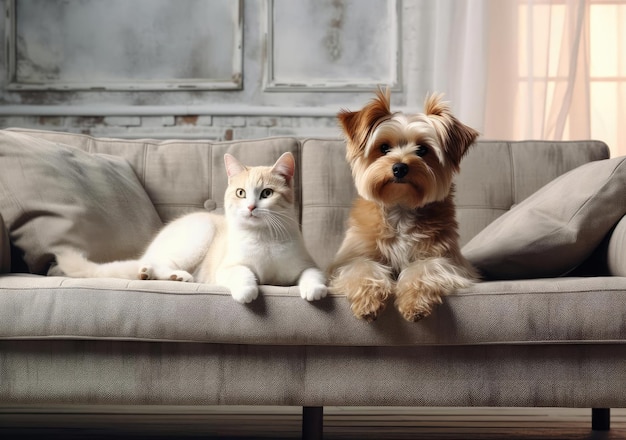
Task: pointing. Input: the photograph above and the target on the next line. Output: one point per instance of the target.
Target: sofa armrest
(616, 252)
(5, 249)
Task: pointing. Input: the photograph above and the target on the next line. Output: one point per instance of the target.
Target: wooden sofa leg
(312, 422)
(600, 419)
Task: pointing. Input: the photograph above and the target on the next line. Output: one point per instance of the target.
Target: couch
(546, 327)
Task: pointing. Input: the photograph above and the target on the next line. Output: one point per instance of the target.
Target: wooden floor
(285, 423)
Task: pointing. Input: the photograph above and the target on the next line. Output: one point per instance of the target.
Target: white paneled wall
(219, 69)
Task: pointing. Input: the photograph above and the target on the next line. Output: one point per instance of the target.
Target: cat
(257, 241)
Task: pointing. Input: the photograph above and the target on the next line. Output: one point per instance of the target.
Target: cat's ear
(285, 166)
(233, 166)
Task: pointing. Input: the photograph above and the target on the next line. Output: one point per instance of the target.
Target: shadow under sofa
(525, 341)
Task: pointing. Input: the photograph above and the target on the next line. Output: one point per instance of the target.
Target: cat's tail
(73, 264)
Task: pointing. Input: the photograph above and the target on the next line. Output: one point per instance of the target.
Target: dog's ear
(455, 136)
(359, 125)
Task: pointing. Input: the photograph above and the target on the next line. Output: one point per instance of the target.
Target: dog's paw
(181, 275)
(417, 304)
(415, 313)
(367, 285)
(367, 308)
(244, 294)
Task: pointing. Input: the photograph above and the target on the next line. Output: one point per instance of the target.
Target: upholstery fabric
(180, 176)
(494, 177)
(555, 229)
(54, 195)
(543, 342)
(5, 248)
(530, 311)
(146, 373)
(616, 252)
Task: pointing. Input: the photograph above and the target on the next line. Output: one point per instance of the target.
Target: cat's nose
(251, 208)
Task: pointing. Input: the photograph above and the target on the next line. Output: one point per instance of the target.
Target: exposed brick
(205, 120)
(52, 121)
(306, 132)
(229, 121)
(123, 121)
(157, 121)
(264, 121)
(250, 132)
(187, 120)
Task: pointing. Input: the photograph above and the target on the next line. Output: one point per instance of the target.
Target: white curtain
(535, 69)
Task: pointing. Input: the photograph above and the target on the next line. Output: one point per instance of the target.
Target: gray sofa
(547, 326)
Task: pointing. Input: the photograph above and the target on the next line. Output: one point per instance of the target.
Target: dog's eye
(384, 148)
(267, 192)
(241, 193)
(421, 150)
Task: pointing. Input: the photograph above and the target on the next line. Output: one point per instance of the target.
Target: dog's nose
(400, 170)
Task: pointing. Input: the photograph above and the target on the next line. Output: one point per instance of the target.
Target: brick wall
(182, 127)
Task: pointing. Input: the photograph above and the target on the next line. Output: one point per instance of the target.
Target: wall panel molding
(124, 45)
(350, 45)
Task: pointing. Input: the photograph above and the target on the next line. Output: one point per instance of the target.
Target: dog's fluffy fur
(402, 237)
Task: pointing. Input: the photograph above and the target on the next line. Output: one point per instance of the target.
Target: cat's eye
(385, 148)
(421, 150)
(267, 192)
(241, 193)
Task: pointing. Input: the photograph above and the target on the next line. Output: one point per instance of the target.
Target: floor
(349, 423)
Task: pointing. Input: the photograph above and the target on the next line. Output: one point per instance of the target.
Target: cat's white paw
(181, 275)
(146, 272)
(312, 285)
(244, 294)
(313, 292)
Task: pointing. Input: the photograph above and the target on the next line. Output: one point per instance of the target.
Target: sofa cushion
(5, 248)
(181, 176)
(555, 229)
(520, 311)
(616, 250)
(53, 196)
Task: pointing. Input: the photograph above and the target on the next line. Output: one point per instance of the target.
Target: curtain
(535, 69)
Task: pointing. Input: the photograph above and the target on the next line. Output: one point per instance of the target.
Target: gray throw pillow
(555, 229)
(54, 196)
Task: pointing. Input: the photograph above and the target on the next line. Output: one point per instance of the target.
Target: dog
(402, 235)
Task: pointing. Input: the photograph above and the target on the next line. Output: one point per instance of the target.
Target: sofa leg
(600, 419)
(312, 422)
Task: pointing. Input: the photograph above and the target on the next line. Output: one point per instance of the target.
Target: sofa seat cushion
(54, 196)
(555, 229)
(499, 312)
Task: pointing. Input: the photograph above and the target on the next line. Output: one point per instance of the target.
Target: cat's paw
(312, 284)
(181, 275)
(244, 294)
(146, 272)
(313, 292)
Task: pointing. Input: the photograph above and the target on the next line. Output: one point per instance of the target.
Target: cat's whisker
(275, 223)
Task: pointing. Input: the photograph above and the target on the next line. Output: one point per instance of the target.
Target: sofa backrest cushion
(494, 177)
(55, 196)
(181, 176)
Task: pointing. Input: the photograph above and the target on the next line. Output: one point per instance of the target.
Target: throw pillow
(54, 196)
(555, 229)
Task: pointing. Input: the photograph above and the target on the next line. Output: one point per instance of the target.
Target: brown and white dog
(402, 237)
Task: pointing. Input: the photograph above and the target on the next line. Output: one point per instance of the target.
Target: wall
(206, 68)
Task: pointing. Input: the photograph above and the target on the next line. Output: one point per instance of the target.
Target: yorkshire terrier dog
(402, 237)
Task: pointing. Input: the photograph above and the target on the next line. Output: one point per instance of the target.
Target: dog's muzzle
(400, 170)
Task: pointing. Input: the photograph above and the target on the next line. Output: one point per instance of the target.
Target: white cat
(258, 241)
